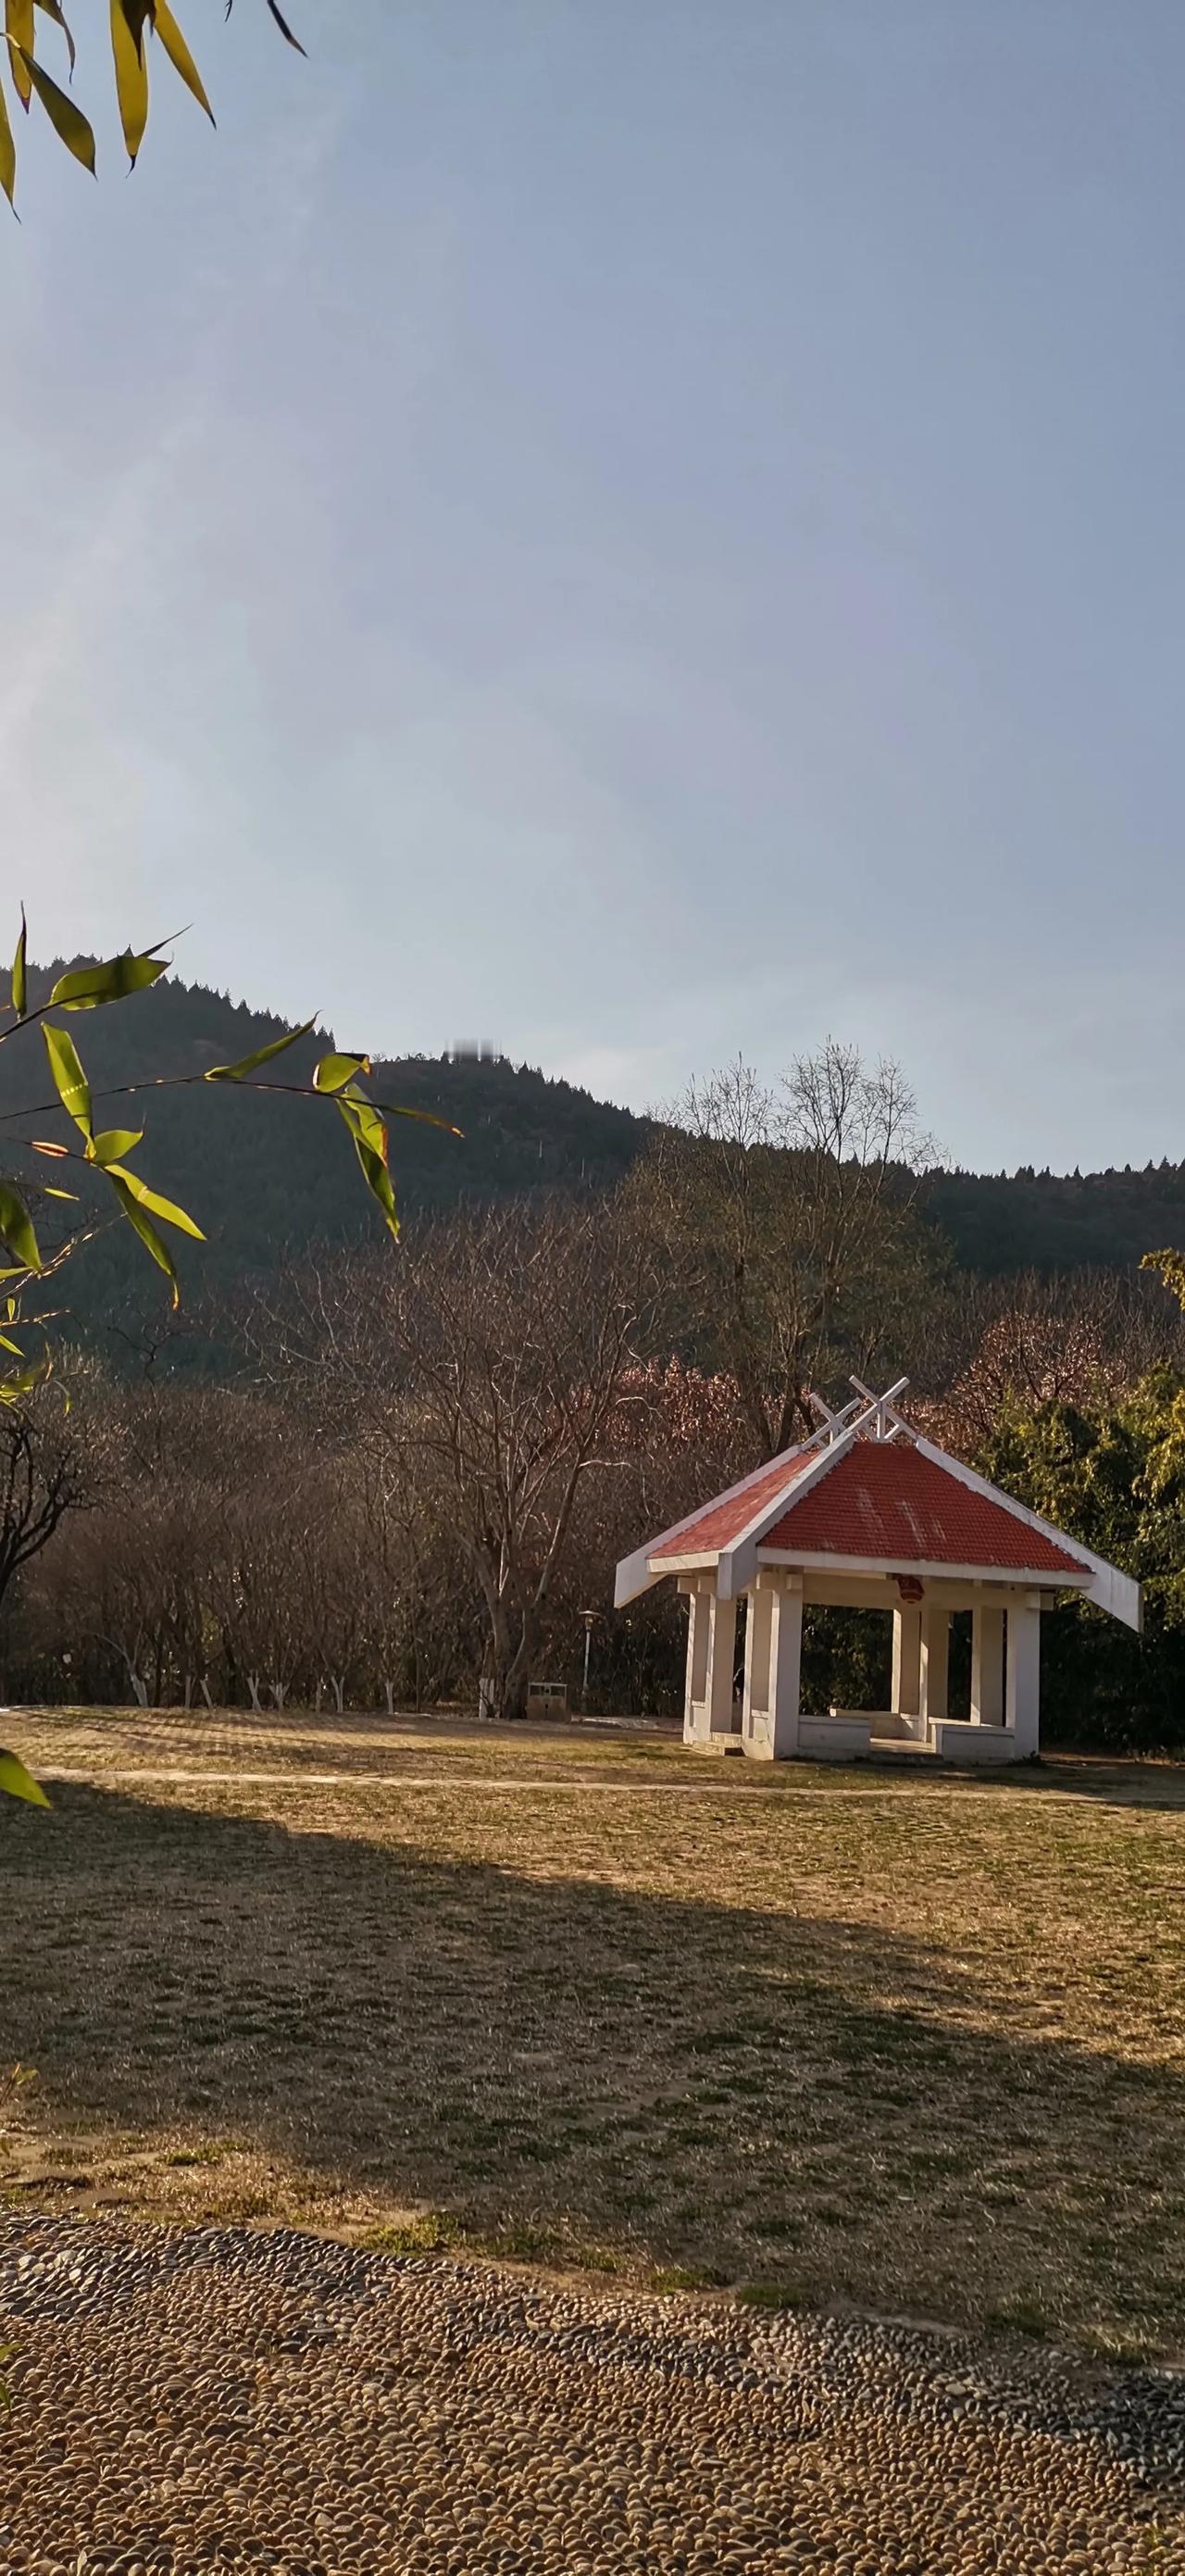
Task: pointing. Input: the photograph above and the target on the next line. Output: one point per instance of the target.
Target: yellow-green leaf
(167, 1209)
(16, 1227)
(285, 29)
(427, 1117)
(179, 54)
(110, 981)
(334, 1071)
(50, 1193)
(112, 1143)
(14, 1347)
(378, 1182)
(7, 162)
(53, 10)
(23, 1381)
(16, 1782)
(20, 989)
(131, 78)
(263, 1055)
(68, 121)
(73, 1089)
(18, 27)
(144, 1227)
(364, 1121)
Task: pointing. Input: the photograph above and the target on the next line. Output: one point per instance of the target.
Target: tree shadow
(584, 2071)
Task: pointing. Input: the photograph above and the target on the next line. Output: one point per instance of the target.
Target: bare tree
(42, 1477)
(791, 1225)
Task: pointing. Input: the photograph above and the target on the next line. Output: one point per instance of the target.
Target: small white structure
(868, 1515)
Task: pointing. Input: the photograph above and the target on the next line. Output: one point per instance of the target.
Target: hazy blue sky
(642, 528)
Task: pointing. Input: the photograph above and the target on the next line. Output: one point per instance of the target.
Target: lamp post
(589, 1617)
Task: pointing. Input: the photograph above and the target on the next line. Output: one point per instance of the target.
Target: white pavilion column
(722, 1646)
(773, 1666)
(759, 1626)
(699, 1618)
(987, 1664)
(1023, 1695)
(907, 1661)
(935, 1662)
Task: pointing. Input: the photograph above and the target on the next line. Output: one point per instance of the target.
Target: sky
(642, 533)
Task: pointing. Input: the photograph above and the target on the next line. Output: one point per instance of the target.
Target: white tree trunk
(253, 1687)
(339, 1692)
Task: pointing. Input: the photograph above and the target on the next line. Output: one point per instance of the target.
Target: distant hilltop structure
(476, 1051)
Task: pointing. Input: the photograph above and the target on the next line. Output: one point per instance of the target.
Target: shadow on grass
(582, 2072)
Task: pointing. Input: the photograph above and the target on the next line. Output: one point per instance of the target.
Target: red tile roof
(882, 1498)
(720, 1522)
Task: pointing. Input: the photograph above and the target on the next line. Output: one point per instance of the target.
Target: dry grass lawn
(908, 2040)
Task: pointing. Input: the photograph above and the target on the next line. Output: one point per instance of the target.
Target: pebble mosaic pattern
(216, 2399)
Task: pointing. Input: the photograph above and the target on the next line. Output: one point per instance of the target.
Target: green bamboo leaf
(427, 1117)
(19, 1783)
(18, 27)
(144, 1227)
(112, 1143)
(20, 988)
(131, 73)
(263, 1055)
(109, 981)
(364, 1121)
(14, 1347)
(166, 1209)
(68, 121)
(50, 1193)
(16, 1227)
(53, 10)
(334, 1071)
(24, 1381)
(179, 54)
(378, 1182)
(7, 161)
(370, 1145)
(285, 29)
(73, 1089)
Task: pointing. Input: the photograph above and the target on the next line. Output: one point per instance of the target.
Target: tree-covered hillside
(267, 1178)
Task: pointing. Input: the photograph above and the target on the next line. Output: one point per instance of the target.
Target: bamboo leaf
(18, 27)
(364, 1121)
(68, 121)
(7, 164)
(144, 1227)
(131, 76)
(57, 1153)
(263, 1055)
(25, 1380)
(73, 1089)
(427, 1117)
(285, 29)
(179, 54)
(378, 1182)
(334, 1071)
(50, 1193)
(20, 988)
(14, 1347)
(110, 981)
(112, 1143)
(152, 1200)
(19, 1783)
(53, 10)
(370, 1145)
(16, 1227)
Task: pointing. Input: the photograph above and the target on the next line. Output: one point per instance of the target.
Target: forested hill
(267, 1177)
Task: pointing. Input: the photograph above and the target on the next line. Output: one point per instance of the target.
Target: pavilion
(868, 1514)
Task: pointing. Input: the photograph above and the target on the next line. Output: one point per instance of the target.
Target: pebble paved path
(209, 2399)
